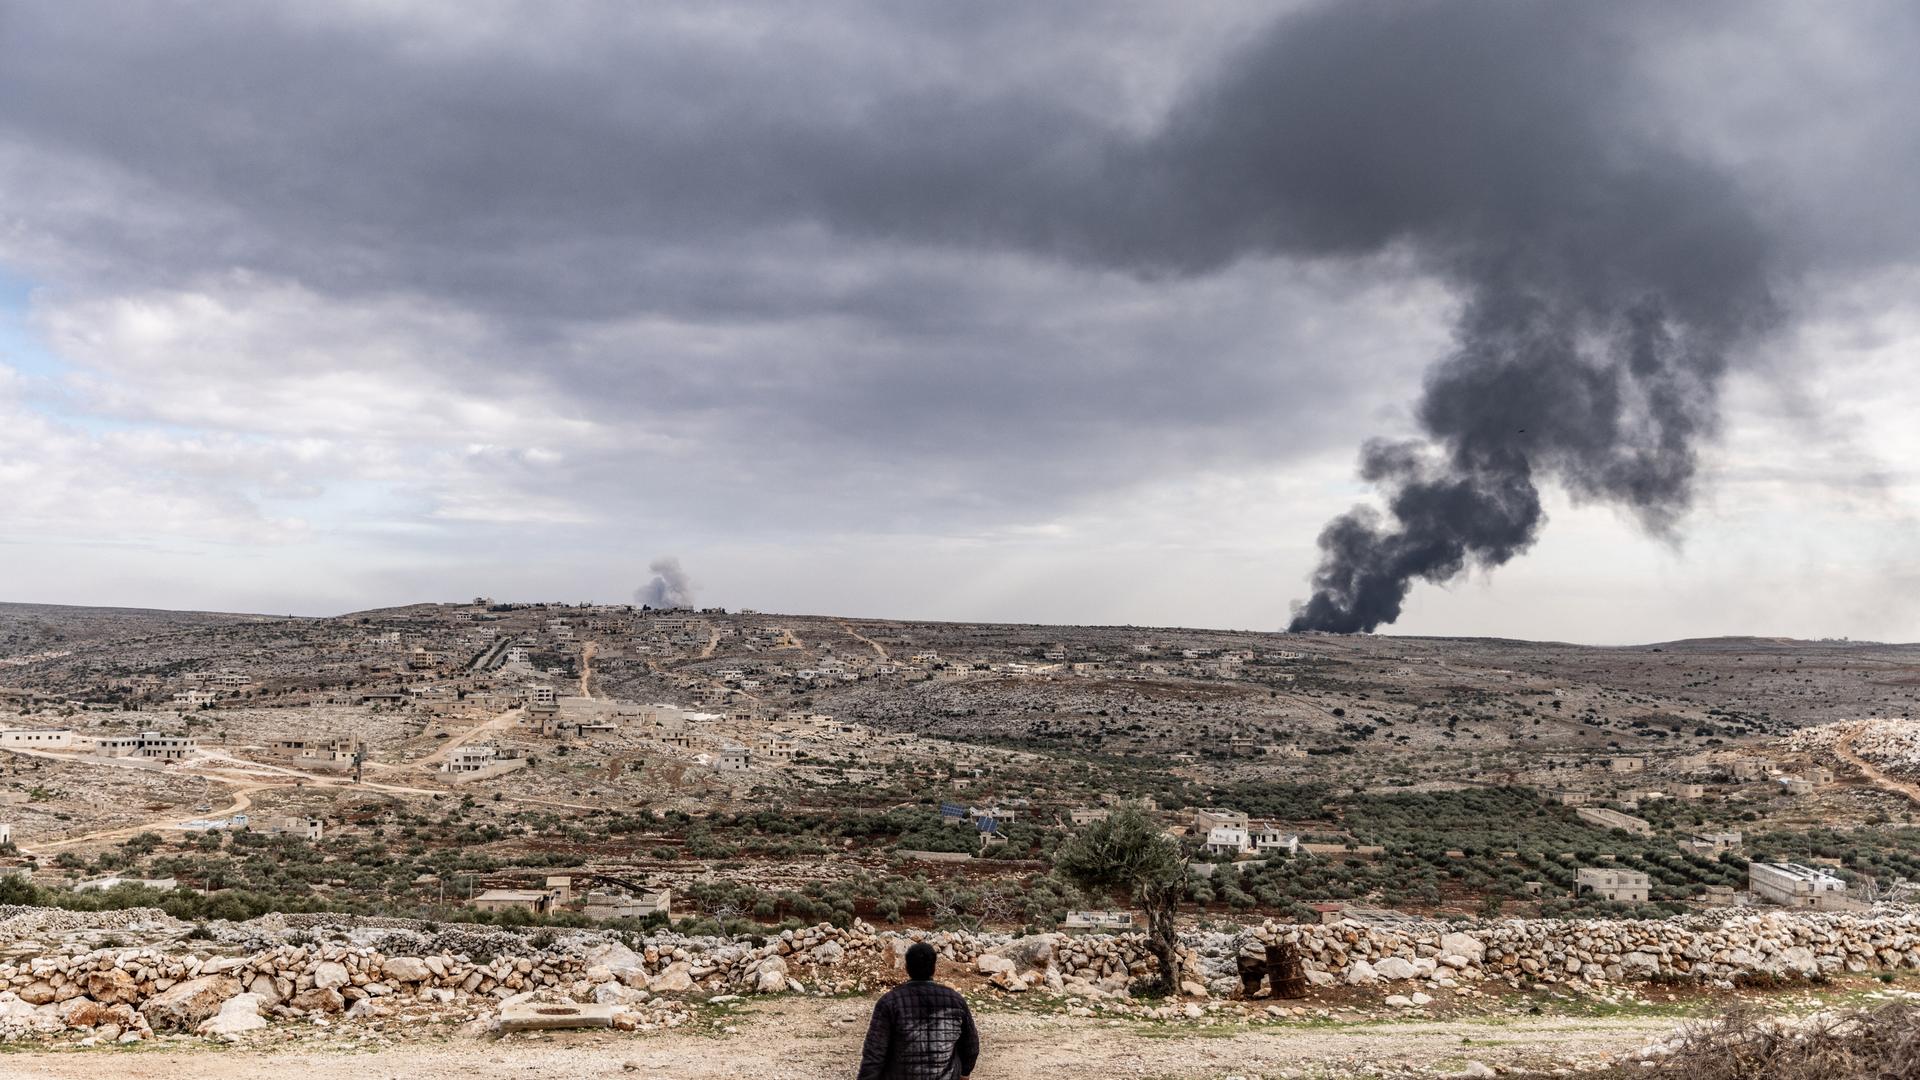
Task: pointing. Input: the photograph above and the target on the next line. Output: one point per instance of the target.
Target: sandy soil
(805, 1039)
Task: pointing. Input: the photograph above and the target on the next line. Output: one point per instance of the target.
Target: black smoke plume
(669, 588)
(1605, 276)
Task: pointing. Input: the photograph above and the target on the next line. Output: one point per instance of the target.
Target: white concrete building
(156, 746)
(36, 738)
(469, 759)
(1269, 839)
(1228, 840)
(1795, 885)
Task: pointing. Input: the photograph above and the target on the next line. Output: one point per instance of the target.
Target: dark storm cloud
(915, 247)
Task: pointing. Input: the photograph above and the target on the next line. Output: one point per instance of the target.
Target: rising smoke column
(669, 588)
(1605, 276)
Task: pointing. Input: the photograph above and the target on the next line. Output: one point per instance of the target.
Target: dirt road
(1844, 751)
(805, 1039)
(586, 667)
(878, 649)
(242, 799)
(505, 720)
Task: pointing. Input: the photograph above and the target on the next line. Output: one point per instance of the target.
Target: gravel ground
(803, 1039)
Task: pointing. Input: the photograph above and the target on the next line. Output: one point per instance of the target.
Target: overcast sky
(1064, 312)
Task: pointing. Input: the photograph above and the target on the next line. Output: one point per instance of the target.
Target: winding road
(1843, 750)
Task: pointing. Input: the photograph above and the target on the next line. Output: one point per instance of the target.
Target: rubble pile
(1890, 744)
(234, 978)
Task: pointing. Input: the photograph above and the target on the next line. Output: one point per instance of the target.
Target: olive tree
(1129, 852)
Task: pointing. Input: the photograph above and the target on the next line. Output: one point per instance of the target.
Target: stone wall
(308, 967)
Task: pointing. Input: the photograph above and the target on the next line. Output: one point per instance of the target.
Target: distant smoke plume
(669, 587)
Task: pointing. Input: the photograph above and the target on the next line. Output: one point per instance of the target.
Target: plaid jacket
(920, 1031)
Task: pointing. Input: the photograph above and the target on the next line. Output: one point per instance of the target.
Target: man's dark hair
(920, 959)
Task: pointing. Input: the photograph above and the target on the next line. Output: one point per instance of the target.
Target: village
(575, 717)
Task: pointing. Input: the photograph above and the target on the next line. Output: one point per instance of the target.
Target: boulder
(238, 1014)
(828, 953)
(318, 1000)
(616, 958)
(990, 964)
(405, 969)
(771, 977)
(84, 1013)
(1362, 974)
(676, 979)
(1010, 982)
(328, 975)
(37, 992)
(1396, 968)
(112, 986)
(1462, 945)
(182, 1006)
(1031, 954)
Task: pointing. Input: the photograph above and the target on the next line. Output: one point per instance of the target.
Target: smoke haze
(669, 588)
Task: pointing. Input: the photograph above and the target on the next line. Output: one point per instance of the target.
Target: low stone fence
(309, 966)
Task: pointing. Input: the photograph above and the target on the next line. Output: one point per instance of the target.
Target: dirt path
(242, 799)
(713, 642)
(812, 1038)
(586, 667)
(1844, 751)
(499, 723)
(878, 649)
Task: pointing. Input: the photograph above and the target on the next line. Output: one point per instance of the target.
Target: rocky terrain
(229, 979)
(1437, 781)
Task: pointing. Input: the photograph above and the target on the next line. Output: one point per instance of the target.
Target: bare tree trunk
(1163, 939)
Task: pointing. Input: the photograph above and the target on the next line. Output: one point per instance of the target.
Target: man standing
(921, 1030)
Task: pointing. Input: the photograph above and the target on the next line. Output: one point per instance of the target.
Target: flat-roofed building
(156, 746)
(1611, 883)
(1228, 840)
(1269, 839)
(607, 904)
(1710, 843)
(1614, 819)
(111, 746)
(1209, 818)
(538, 901)
(37, 738)
(1111, 922)
(1796, 885)
(1797, 785)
